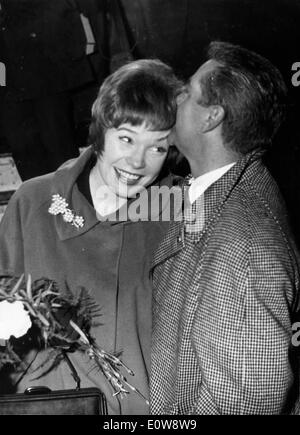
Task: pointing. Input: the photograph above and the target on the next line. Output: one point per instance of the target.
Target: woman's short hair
(142, 91)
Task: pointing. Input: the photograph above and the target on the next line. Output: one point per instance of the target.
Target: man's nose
(181, 96)
(136, 159)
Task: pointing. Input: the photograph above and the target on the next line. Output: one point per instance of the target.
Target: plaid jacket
(223, 303)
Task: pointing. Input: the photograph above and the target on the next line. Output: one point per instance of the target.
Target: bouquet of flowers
(62, 322)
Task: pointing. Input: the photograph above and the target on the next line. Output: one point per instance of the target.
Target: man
(226, 280)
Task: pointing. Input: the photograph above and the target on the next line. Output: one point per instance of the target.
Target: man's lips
(171, 139)
(127, 177)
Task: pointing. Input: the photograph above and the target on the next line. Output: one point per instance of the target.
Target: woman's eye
(159, 149)
(125, 139)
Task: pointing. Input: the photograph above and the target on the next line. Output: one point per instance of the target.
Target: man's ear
(215, 115)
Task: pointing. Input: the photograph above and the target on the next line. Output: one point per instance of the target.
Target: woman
(72, 226)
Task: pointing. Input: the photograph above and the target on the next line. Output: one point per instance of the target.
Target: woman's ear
(215, 115)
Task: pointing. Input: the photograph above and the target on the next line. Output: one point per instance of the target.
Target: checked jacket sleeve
(243, 347)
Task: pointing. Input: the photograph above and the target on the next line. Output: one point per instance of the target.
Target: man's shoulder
(256, 211)
(258, 193)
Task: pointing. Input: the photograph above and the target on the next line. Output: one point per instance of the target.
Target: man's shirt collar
(199, 185)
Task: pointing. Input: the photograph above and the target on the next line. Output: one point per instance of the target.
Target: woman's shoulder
(33, 192)
(24, 205)
(37, 186)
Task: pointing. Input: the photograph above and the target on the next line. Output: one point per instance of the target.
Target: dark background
(177, 32)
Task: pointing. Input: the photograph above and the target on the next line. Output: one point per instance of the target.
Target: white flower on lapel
(60, 206)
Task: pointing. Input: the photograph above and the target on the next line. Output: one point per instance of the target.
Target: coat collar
(209, 207)
(65, 184)
(218, 193)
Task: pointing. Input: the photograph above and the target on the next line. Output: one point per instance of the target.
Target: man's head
(236, 91)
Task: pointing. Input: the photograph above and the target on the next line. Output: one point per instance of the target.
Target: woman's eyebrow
(127, 129)
(163, 138)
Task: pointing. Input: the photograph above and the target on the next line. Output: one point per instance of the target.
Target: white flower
(78, 221)
(60, 206)
(68, 216)
(14, 320)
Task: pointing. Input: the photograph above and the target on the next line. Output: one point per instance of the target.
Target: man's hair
(142, 91)
(251, 91)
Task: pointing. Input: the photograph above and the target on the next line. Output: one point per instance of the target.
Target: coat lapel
(64, 184)
(208, 209)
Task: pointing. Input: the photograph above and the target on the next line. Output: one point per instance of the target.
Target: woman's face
(132, 158)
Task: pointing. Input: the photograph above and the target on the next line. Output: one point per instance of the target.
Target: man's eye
(125, 139)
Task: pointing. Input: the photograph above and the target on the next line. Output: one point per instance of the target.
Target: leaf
(79, 331)
(23, 293)
(3, 293)
(18, 284)
(42, 319)
(28, 306)
(28, 287)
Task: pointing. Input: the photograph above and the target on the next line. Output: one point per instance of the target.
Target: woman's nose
(136, 159)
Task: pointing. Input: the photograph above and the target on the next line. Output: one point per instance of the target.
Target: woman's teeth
(128, 177)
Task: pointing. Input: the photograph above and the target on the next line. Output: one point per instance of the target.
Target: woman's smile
(127, 177)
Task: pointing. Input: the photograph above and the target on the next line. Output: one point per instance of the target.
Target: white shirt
(199, 185)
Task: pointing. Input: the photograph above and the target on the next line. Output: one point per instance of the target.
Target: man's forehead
(205, 68)
(195, 80)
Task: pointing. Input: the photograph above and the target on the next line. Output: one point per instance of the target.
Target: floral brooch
(60, 206)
